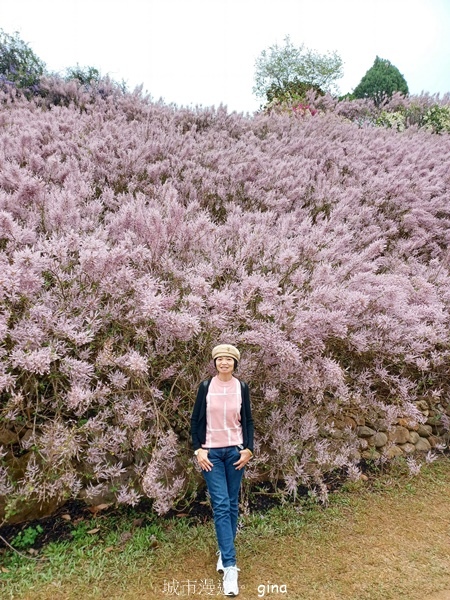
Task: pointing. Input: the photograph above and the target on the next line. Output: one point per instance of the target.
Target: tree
(381, 81)
(19, 65)
(85, 75)
(280, 69)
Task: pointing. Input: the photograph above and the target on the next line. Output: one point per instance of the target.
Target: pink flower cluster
(304, 109)
(134, 236)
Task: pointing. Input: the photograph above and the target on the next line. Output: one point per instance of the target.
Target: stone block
(365, 432)
(399, 435)
(31, 510)
(422, 405)
(414, 437)
(355, 455)
(358, 418)
(423, 445)
(425, 430)
(349, 422)
(408, 424)
(8, 437)
(434, 420)
(27, 436)
(377, 425)
(407, 448)
(380, 439)
(436, 440)
(393, 451)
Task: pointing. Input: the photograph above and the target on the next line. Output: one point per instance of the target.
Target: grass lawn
(386, 538)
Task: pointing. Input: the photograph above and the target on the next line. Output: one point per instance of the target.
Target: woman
(222, 436)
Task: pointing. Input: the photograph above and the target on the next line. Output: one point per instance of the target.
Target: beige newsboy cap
(226, 350)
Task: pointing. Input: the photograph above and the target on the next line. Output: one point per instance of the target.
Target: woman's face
(224, 364)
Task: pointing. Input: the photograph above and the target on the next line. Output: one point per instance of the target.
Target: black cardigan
(198, 419)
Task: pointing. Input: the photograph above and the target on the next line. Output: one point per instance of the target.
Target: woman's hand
(203, 461)
(245, 457)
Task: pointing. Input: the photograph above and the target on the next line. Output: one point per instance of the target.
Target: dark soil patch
(55, 528)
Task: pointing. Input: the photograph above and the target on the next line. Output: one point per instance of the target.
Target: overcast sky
(202, 52)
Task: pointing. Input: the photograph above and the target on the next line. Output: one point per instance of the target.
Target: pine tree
(381, 81)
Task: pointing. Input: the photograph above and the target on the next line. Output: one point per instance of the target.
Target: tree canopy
(19, 65)
(381, 81)
(280, 69)
(85, 75)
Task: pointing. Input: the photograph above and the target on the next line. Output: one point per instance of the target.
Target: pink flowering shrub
(304, 109)
(398, 112)
(134, 236)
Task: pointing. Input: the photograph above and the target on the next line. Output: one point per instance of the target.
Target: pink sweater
(223, 413)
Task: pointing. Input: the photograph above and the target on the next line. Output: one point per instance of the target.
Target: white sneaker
(219, 567)
(230, 581)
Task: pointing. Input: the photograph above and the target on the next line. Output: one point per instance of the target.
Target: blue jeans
(223, 483)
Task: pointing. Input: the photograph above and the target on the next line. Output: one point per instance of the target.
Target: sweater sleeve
(249, 428)
(196, 418)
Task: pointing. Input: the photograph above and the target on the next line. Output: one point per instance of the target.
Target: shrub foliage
(19, 65)
(134, 236)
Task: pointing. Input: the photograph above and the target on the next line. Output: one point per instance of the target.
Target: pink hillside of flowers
(134, 236)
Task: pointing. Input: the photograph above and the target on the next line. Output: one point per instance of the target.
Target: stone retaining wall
(404, 438)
